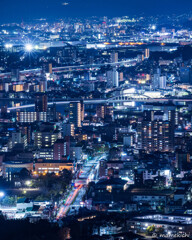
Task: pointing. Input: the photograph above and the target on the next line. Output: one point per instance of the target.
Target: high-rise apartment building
(76, 113)
(155, 131)
(159, 81)
(29, 117)
(100, 111)
(113, 78)
(45, 139)
(60, 149)
(113, 75)
(163, 82)
(147, 53)
(18, 138)
(68, 129)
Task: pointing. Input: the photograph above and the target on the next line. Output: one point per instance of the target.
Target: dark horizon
(16, 11)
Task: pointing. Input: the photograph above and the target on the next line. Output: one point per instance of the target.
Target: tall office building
(76, 113)
(41, 102)
(155, 131)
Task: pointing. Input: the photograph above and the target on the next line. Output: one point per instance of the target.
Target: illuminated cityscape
(96, 121)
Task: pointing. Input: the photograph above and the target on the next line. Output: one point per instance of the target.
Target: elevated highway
(114, 100)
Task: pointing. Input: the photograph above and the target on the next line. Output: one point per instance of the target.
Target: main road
(87, 173)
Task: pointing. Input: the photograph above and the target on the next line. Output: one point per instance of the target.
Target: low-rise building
(172, 226)
(42, 166)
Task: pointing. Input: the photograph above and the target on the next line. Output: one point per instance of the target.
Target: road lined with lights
(64, 208)
(86, 175)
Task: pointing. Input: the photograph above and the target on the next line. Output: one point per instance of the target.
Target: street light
(28, 47)
(28, 183)
(8, 45)
(2, 194)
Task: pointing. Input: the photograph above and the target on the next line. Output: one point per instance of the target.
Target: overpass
(92, 101)
(114, 100)
(147, 99)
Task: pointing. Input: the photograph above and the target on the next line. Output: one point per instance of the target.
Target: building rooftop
(111, 181)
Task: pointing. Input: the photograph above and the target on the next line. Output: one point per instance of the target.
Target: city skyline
(17, 11)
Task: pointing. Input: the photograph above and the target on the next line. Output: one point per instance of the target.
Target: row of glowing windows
(47, 168)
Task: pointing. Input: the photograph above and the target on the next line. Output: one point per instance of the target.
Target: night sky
(16, 10)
